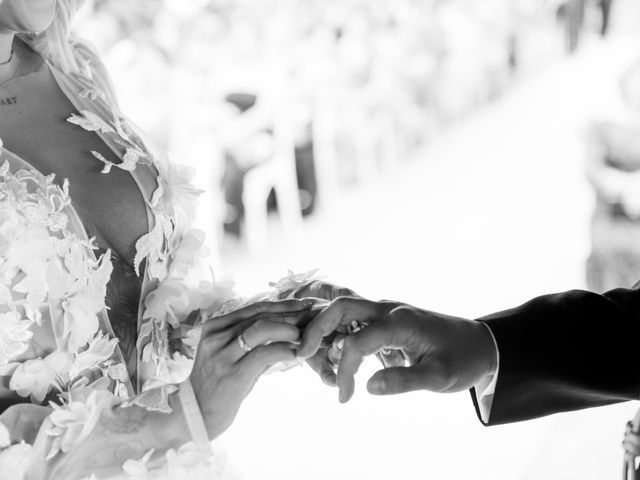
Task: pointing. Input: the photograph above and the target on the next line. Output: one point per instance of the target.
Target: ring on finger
(243, 344)
(334, 352)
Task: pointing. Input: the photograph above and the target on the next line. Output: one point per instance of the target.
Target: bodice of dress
(130, 210)
(61, 267)
(33, 125)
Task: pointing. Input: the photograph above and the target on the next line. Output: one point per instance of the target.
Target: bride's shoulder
(89, 58)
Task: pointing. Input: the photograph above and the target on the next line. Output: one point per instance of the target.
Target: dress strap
(192, 413)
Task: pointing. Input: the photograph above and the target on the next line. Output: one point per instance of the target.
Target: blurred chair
(613, 169)
(278, 173)
(263, 139)
(324, 149)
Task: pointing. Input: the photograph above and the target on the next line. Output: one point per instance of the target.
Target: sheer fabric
(83, 413)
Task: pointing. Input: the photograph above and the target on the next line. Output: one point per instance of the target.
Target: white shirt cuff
(486, 387)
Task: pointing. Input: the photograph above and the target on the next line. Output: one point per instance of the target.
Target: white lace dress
(53, 284)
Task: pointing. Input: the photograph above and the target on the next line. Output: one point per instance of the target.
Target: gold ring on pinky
(243, 344)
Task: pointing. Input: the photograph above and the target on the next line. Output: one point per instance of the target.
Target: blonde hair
(54, 44)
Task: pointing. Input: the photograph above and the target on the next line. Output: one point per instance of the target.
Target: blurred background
(460, 155)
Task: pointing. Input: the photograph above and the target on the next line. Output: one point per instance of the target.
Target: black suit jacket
(564, 352)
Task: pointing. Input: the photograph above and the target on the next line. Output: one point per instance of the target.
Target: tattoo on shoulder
(8, 101)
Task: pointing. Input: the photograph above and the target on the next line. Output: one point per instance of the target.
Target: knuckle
(341, 301)
(258, 352)
(290, 303)
(217, 369)
(254, 309)
(403, 380)
(213, 325)
(350, 343)
(208, 345)
(260, 326)
(343, 292)
(207, 327)
(400, 311)
(444, 373)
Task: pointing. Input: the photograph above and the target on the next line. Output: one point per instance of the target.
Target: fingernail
(375, 386)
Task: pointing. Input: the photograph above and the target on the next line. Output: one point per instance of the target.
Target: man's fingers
(327, 290)
(433, 374)
(322, 366)
(397, 380)
(277, 308)
(370, 340)
(391, 358)
(256, 362)
(340, 312)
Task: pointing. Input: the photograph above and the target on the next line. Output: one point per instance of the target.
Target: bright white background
(493, 211)
(497, 215)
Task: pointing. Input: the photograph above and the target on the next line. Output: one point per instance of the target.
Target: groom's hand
(444, 353)
(320, 362)
(319, 289)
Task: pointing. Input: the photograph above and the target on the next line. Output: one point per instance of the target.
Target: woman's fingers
(222, 331)
(341, 311)
(322, 366)
(260, 332)
(256, 362)
(282, 308)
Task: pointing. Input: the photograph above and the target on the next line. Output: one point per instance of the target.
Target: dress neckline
(84, 92)
(35, 64)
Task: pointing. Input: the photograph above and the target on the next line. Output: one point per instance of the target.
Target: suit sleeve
(564, 352)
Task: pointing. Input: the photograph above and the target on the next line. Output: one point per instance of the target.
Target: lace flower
(175, 194)
(169, 302)
(72, 422)
(152, 246)
(210, 297)
(36, 377)
(80, 285)
(14, 459)
(100, 349)
(25, 247)
(186, 254)
(295, 280)
(15, 334)
(171, 371)
(190, 462)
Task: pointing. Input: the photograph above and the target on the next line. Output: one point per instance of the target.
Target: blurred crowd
(613, 169)
(282, 103)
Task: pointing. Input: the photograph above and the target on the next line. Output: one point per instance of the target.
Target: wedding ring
(243, 344)
(356, 326)
(334, 353)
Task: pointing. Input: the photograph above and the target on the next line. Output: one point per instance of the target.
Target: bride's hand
(235, 349)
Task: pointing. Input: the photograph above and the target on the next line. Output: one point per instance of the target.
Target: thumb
(394, 380)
